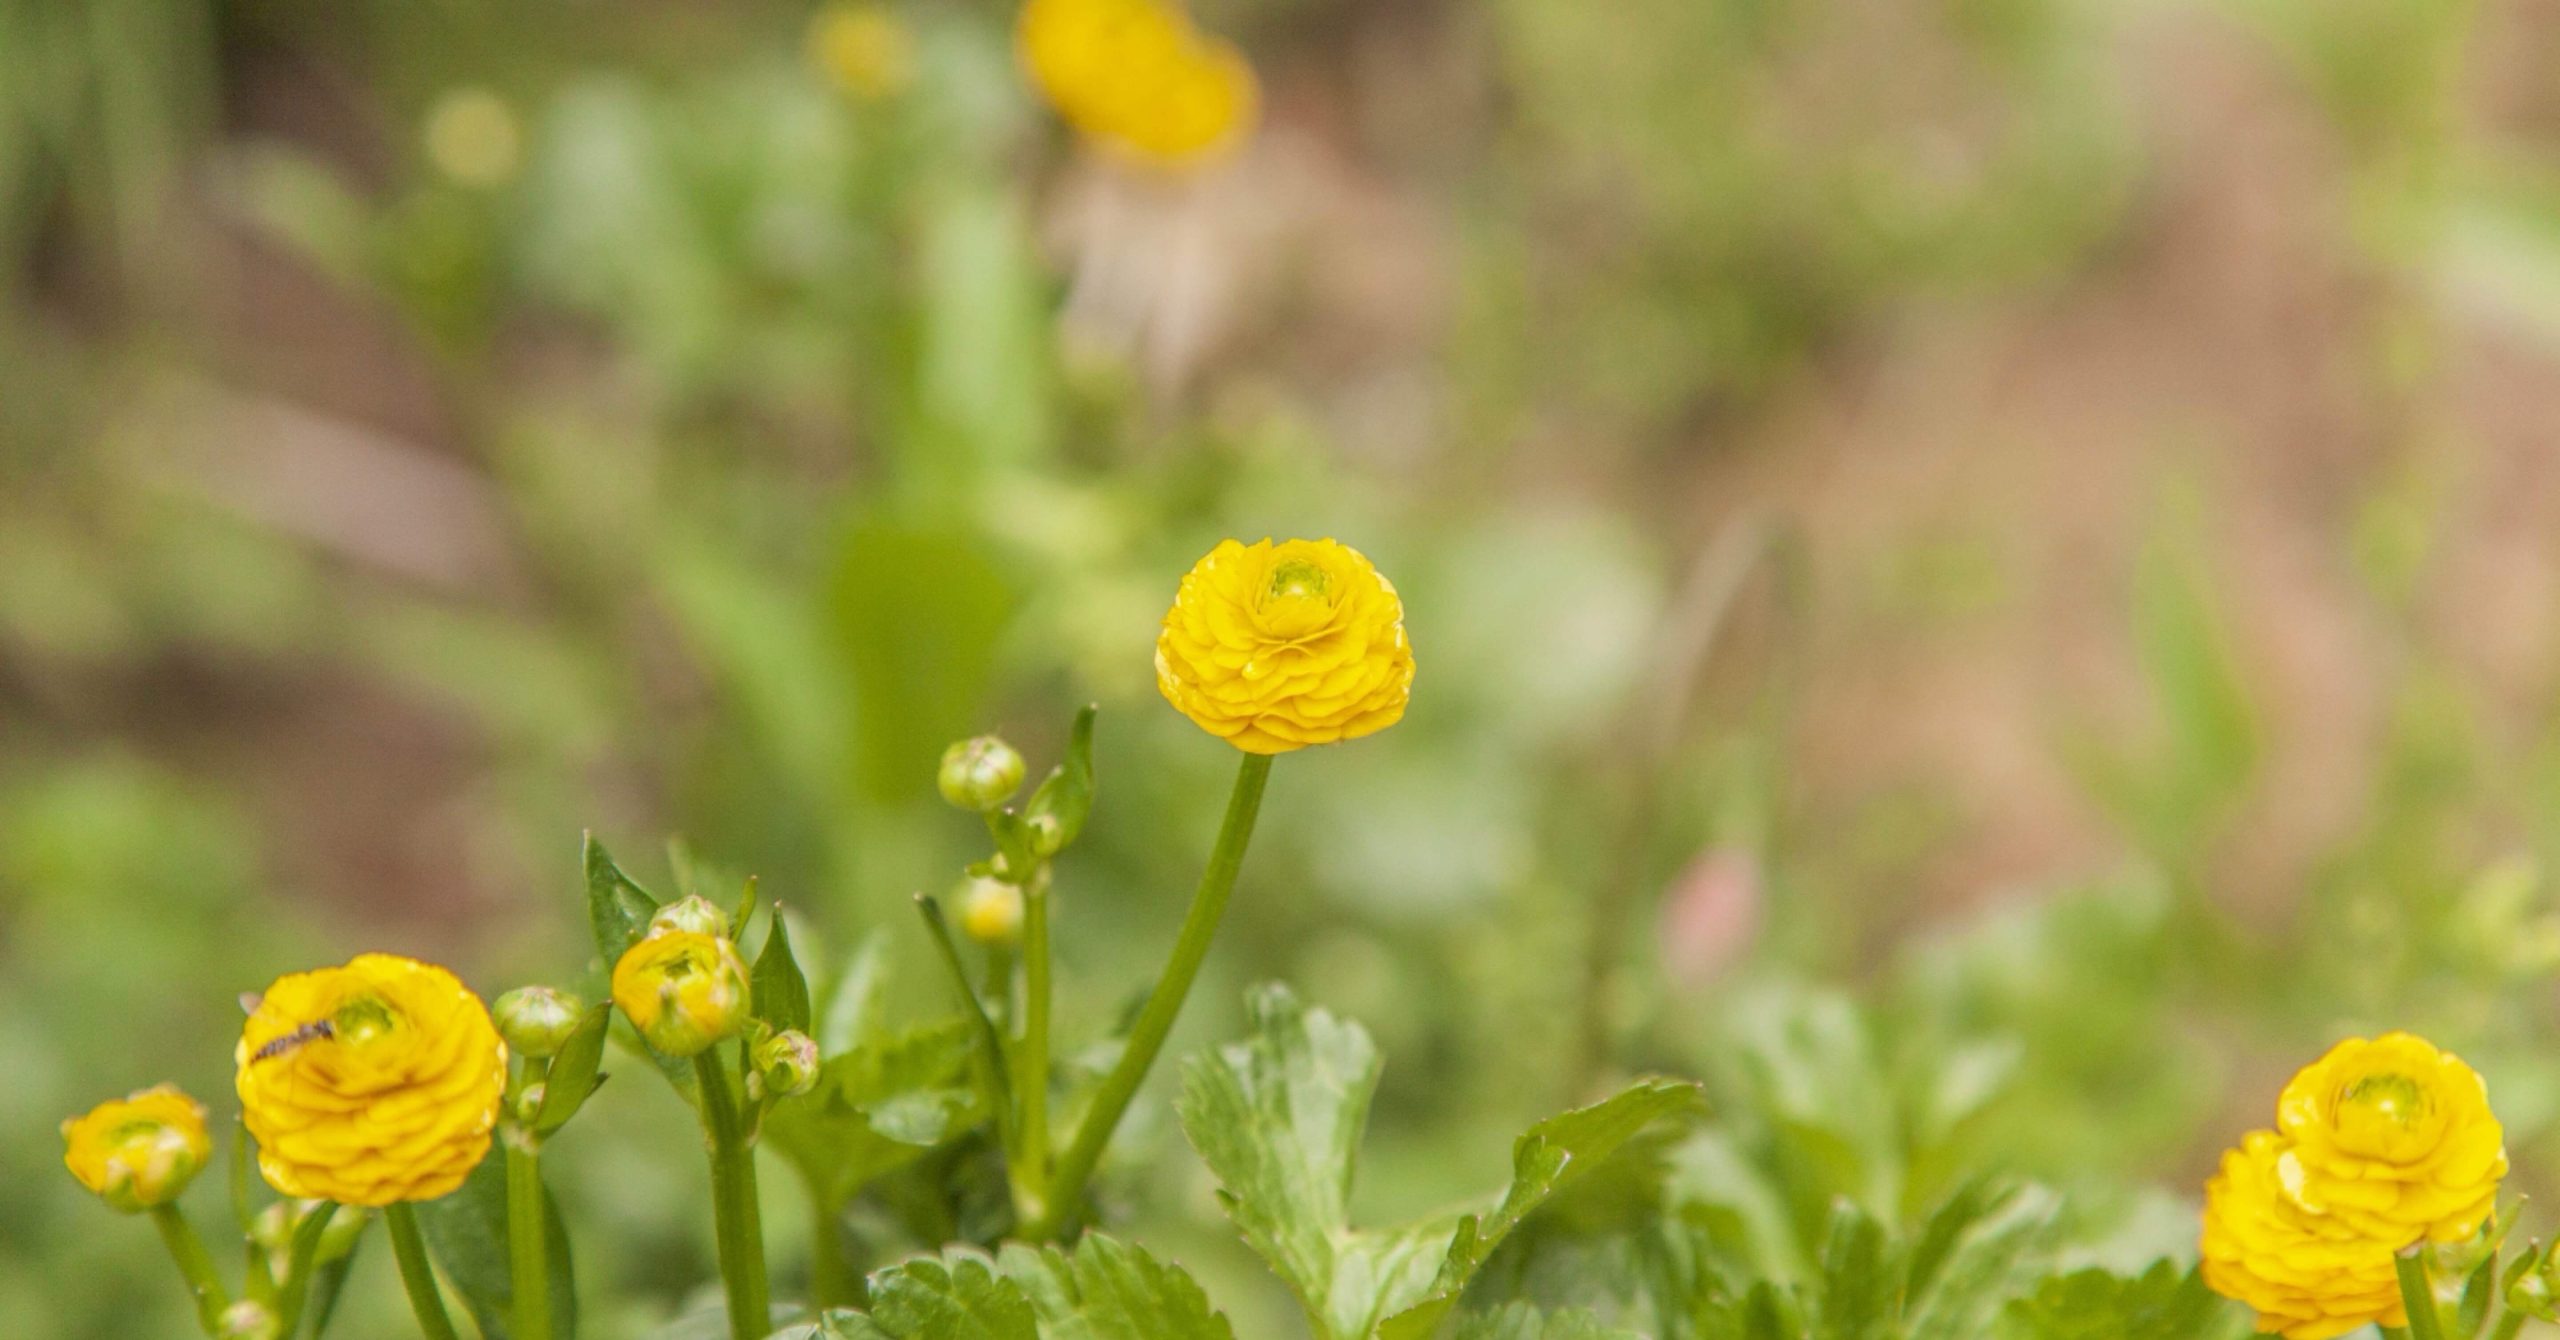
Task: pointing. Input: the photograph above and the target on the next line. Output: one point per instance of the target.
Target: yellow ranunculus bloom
(1137, 76)
(2395, 1139)
(683, 989)
(864, 49)
(1276, 647)
(2308, 1276)
(138, 1152)
(370, 1084)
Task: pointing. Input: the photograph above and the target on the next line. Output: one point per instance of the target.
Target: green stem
(832, 1277)
(940, 930)
(1031, 1084)
(528, 1267)
(1164, 1004)
(299, 1256)
(2418, 1294)
(185, 1248)
(735, 1215)
(418, 1277)
(2509, 1327)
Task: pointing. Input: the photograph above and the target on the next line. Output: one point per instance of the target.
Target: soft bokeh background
(1984, 570)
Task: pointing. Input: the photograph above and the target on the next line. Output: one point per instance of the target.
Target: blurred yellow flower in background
(685, 990)
(865, 50)
(1137, 76)
(2395, 1138)
(1276, 647)
(140, 1151)
(370, 1084)
(2307, 1276)
(472, 137)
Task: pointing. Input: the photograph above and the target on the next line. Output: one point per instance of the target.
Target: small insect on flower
(140, 1151)
(1276, 647)
(371, 1083)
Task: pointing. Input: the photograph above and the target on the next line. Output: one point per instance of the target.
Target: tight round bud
(537, 1020)
(247, 1319)
(991, 912)
(980, 773)
(2531, 1294)
(140, 1151)
(789, 1063)
(685, 991)
(696, 913)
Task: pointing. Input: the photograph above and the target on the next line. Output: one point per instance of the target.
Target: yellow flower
(2308, 1275)
(370, 1084)
(138, 1152)
(864, 50)
(991, 912)
(2395, 1139)
(1276, 647)
(685, 990)
(1137, 76)
(472, 137)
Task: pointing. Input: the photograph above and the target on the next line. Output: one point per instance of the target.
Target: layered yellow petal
(1277, 647)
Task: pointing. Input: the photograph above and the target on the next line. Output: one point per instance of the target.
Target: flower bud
(529, 1102)
(138, 1152)
(247, 1319)
(1048, 836)
(789, 1063)
(980, 773)
(991, 912)
(537, 1020)
(684, 990)
(2531, 1295)
(695, 913)
(345, 1227)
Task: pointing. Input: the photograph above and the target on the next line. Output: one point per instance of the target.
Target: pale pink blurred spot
(1710, 915)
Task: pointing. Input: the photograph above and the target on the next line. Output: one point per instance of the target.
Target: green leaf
(1111, 1290)
(1519, 1321)
(1860, 1296)
(467, 1233)
(2163, 1303)
(575, 1074)
(1552, 1156)
(780, 992)
(880, 1107)
(1066, 797)
(857, 1007)
(963, 1299)
(618, 910)
(1977, 1253)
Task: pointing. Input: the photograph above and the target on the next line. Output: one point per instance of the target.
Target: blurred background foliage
(1982, 568)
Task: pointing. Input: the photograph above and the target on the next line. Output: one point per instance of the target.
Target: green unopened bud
(980, 773)
(345, 1227)
(247, 1319)
(789, 1063)
(529, 1102)
(2531, 1295)
(991, 912)
(537, 1020)
(683, 990)
(1048, 836)
(696, 913)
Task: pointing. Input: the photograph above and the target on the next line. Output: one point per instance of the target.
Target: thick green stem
(185, 1248)
(528, 1266)
(1164, 1004)
(418, 1277)
(2509, 1327)
(1031, 1082)
(2419, 1294)
(735, 1215)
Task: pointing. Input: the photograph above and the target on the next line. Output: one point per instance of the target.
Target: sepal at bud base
(980, 774)
(537, 1020)
(693, 913)
(248, 1319)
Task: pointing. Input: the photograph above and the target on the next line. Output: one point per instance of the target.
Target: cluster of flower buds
(683, 985)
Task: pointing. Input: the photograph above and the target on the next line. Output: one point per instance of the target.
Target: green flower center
(1298, 579)
(362, 1020)
(2394, 1098)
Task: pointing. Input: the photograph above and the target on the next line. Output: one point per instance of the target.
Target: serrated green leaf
(961, 1299)
(467, 1233)
(2163, 1303)
(1984, 1249)
(1519, 1321)
(574, 1075)
(880, 1107)
(1111, 1290)
(1551, 1157)
(1066, 797)
(779, 990)
(618, 909)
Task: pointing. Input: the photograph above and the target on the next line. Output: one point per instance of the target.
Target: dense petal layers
(1136, 75)
(372, 1083)
(1277, 647)
(2308, 1276)
(2395, 1138)
(138, 1152)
